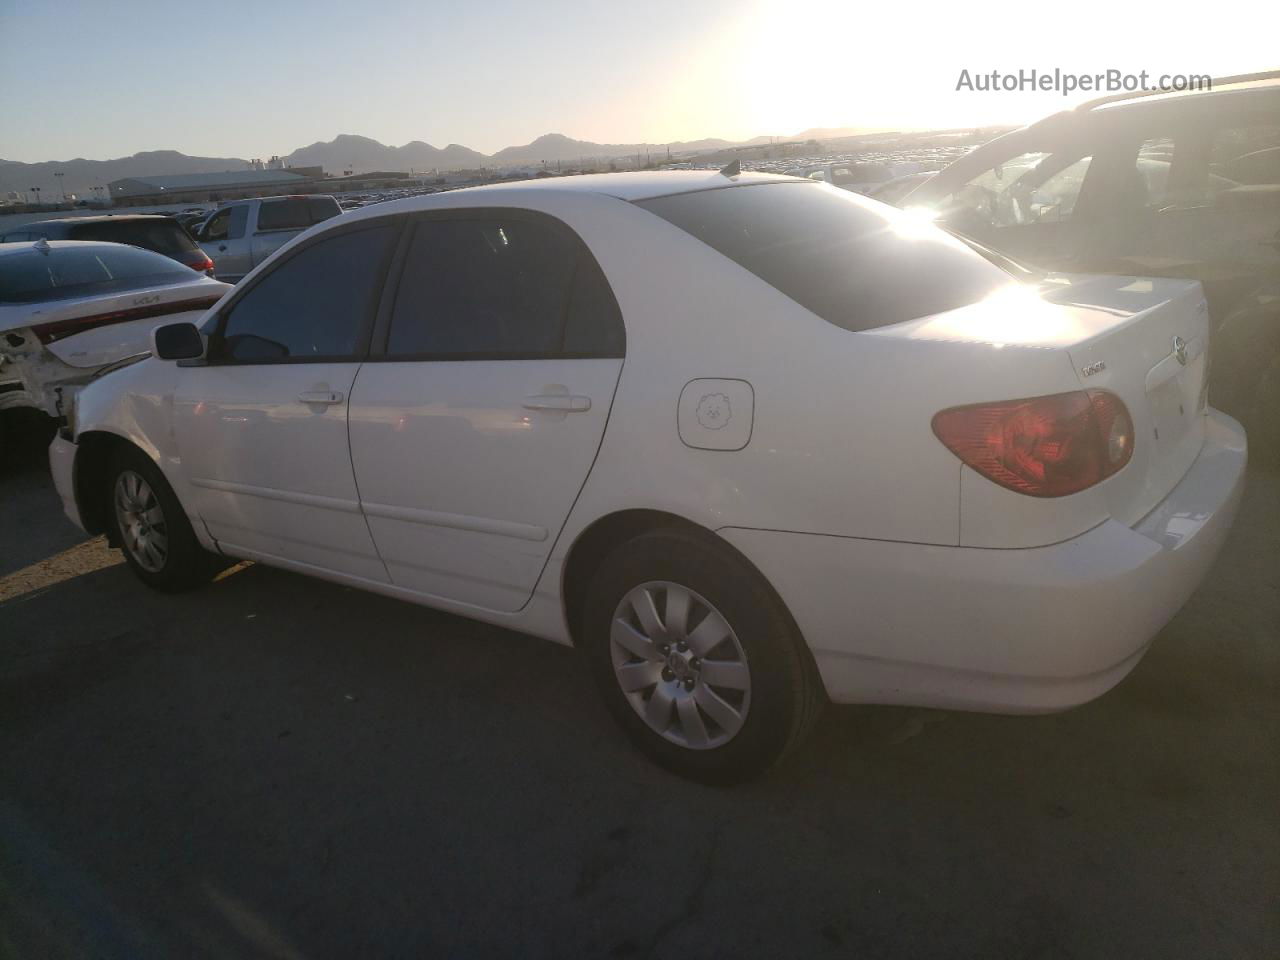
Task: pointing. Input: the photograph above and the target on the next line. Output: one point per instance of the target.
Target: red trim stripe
(59, 329)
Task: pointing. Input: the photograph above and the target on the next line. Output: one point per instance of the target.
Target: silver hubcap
(680, 665)
(146, 536)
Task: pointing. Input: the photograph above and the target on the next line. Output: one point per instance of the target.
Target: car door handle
(320, 396)
(222, 248)
(562, 402)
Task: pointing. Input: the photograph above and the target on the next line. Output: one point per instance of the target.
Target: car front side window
(316, 305)
(216, 228)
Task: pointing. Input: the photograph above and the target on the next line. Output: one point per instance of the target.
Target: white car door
(262, 425)
(475, 423)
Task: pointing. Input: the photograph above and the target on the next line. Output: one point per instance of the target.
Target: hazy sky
(106, 79)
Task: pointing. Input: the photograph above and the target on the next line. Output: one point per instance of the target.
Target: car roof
(640, 185)
(623, 186)
(278, 196)
(1245, 83)
(105, 218)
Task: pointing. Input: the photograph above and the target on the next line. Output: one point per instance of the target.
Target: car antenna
(731, 169)
(42, 245)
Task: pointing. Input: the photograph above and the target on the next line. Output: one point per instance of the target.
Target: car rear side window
(502, 288)
(853, 262)
(296, 213)
(162, 236)
(290, 214)
(316, 305)
(64, 273)
(1246, 154)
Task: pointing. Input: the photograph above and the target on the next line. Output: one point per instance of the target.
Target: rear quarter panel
(841, 440)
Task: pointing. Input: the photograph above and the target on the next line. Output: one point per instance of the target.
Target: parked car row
(240, 235)
(69, 308)
(161, 234)
(75, 299)
(848, 456)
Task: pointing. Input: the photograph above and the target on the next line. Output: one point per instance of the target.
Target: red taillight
(1043, 446)
(199, 262)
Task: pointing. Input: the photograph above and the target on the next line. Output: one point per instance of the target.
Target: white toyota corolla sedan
(750, 443)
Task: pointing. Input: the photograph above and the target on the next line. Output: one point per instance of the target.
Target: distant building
(211, 187)
(376, 180)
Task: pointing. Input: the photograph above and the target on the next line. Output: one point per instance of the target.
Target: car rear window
(322, 208)
(63, 273)
(855, 263)
(296, 213)
(162, 236)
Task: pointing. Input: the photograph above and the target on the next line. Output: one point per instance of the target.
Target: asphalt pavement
(277, 767)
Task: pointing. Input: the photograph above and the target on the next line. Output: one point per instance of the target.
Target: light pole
(62, 186)
(36, 191)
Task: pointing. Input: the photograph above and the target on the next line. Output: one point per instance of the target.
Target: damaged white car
(70, 308)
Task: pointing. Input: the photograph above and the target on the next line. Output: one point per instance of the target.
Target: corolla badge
(714, 411)
(1180, 350)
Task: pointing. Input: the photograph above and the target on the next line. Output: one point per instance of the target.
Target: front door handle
(561, 402)
(320, 396)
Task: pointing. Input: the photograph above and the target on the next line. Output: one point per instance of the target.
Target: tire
(674, 711)
(151, 528)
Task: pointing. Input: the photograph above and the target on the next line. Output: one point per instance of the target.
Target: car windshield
(855, 263)
(64, 273)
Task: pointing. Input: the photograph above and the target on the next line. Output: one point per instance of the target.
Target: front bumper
(1015, 631)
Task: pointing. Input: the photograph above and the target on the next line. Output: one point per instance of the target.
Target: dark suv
(1166, 185)
(162, 235)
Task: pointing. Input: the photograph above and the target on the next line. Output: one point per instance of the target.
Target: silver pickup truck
(240, 235)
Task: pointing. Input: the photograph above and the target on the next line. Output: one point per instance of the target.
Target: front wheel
(696, 658)
(151, 528)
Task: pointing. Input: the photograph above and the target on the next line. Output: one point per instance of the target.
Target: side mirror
(177, 341)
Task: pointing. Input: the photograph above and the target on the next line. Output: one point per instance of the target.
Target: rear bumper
(1017, 631)
(62, 458)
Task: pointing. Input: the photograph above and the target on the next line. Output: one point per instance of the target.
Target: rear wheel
(151, 527)
(696, 659)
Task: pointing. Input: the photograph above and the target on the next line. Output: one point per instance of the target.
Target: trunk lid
(1154, 354)
(46, 346)
(1070, 333)
(97, 331)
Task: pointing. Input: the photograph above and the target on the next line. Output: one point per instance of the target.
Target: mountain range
(355, 153)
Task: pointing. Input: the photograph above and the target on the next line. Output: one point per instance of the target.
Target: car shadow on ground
(276, 766)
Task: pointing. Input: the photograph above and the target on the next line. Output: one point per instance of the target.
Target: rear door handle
(320, 396)
(562, 402)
